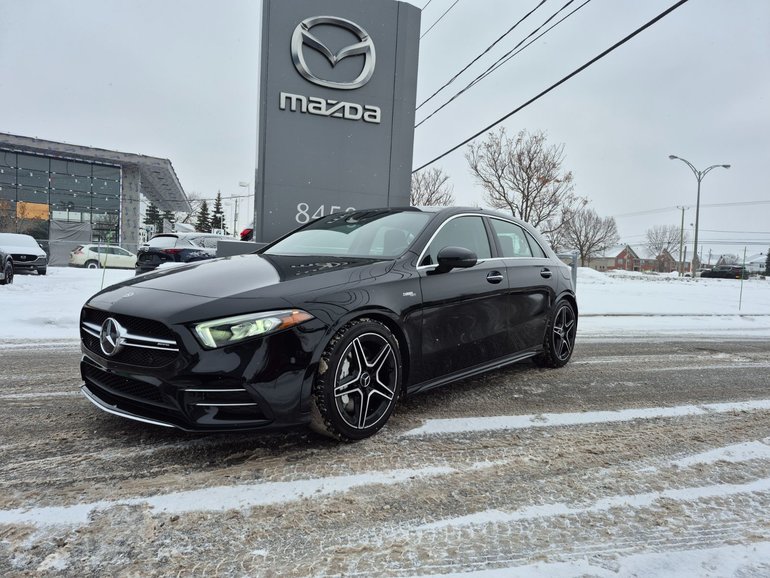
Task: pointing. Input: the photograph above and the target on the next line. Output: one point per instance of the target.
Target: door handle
(545, 273)
(495, 277)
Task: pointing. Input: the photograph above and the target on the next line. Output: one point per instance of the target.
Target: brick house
(619, 257)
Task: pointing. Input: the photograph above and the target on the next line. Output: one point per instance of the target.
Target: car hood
(231, 284)
(22, 249)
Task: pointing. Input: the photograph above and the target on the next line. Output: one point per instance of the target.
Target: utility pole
(235, 217)
(681, 242)
(685, 260)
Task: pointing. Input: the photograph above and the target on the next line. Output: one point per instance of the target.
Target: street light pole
(699, 176)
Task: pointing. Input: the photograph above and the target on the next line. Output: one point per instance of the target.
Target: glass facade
(36, 189)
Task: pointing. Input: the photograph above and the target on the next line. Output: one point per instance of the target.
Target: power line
(738, 232)
(426, 4)
(508, 55)
(560, 82)
(486, 50)
(709, 205)
(505, 58)
(439, 18)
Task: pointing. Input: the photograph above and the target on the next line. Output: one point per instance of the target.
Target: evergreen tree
(203, 224)
(167, 216)
(152, 217)
(767, 263)
(217, 215)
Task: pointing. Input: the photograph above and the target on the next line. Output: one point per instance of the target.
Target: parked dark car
(26, 252)
(330, 325)
(726, 272)
(6, 268)
(176, 248)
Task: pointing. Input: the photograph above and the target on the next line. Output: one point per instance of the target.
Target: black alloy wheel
(7, 274)
(559, 336)
(358, 381)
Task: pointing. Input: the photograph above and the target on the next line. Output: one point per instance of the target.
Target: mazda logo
(111, 337)
(303, 37)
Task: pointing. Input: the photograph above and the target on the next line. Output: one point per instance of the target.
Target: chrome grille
(146, 343)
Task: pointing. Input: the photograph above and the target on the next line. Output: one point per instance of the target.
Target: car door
(464, 311)
(531, 281)
(103, 255)
(123, 258)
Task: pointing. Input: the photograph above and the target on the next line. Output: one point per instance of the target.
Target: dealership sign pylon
(338, 86)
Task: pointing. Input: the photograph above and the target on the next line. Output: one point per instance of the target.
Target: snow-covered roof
(612, 252)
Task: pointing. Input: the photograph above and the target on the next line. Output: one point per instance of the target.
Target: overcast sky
(178, 79)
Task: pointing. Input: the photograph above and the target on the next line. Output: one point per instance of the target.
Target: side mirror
(455, 258)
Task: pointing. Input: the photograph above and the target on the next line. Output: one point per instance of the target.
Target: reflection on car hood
(251, 276)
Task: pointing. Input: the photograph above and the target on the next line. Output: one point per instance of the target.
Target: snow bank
(48, 307)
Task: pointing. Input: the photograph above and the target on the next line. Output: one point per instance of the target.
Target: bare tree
(189, 218)
(666, 237)
(430, 188)
(7, 216)
(524, 176)
(590, 234)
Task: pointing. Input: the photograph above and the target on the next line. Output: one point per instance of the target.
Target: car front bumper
(24, 265)
(260, 384)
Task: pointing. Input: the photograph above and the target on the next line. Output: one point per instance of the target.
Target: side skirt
(472, 371)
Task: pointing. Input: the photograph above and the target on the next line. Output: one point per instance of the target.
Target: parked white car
(97, 256)
(26, 253)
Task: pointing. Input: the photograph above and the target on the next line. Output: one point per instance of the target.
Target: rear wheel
(358, 381)
(559, 336)
(7, 274)
(92, 264)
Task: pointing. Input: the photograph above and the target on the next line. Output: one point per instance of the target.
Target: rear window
(162, 242)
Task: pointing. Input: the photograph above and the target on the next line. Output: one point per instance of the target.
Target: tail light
(172, 251)
(246, 233)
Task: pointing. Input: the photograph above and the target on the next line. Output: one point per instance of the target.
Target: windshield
(380, 234)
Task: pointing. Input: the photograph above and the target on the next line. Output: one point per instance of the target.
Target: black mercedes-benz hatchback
(330, 325)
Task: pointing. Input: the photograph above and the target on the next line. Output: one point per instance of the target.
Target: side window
(537, 250)
(467, 232)
(210, 242)
(513, 242)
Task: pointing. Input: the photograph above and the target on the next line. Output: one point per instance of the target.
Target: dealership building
(65, 195)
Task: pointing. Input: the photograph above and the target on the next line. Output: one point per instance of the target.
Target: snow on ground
(48, 306)
(512, 422)
(631, 305)
(724, 561)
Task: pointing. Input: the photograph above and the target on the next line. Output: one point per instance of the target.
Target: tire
(42, 270)
(364, 357)
(92, 264)
(7, 274)
(559, 338)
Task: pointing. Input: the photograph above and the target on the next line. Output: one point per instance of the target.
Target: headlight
(221, 332)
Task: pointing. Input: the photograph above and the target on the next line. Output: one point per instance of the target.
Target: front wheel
(7, 275)
(559, 338)
(42, 270)
(358, 381)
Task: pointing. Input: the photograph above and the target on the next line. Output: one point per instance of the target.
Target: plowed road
(637, 458)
